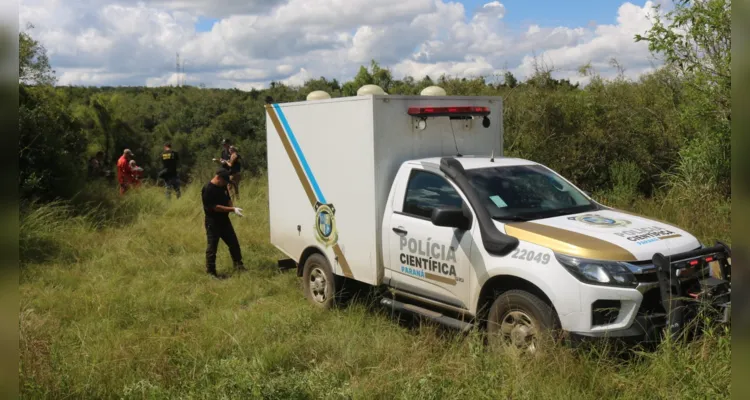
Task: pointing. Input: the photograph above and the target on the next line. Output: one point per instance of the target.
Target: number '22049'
(530, 255)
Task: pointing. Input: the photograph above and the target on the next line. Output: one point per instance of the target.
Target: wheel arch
(499, 284)
(310, 250)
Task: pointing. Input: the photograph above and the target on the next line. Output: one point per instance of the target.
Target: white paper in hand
(238, 211)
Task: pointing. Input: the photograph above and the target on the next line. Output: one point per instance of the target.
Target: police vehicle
(411, 194)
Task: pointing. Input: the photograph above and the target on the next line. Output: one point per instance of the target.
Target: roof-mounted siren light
(458, 112)
(318, 95)
(433, 91)
(370, 89)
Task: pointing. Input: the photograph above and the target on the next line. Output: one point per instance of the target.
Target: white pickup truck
(375, 188)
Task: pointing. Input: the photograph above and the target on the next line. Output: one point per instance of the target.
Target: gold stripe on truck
(568, 242)
(305, 183)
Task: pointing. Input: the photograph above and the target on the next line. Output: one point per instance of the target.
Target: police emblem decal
(598, 220)
(325, 224)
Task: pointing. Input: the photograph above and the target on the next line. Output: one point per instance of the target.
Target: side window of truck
(426, 191)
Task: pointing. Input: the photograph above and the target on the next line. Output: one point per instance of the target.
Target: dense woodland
(665, 132)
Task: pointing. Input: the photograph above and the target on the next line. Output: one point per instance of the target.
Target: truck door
(427, 260)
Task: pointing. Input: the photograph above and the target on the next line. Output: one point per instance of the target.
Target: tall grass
(125, 310)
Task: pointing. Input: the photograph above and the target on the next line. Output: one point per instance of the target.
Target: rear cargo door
(427, 260)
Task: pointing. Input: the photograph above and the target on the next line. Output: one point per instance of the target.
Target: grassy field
(115, 303)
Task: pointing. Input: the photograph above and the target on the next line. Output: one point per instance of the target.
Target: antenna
(458, 154)
(177, 69)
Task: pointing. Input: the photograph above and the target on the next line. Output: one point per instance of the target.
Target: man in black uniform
(169, 161)
(217, 205)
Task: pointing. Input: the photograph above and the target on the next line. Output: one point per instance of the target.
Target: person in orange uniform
(124, 173)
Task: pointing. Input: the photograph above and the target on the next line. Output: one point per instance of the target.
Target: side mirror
(450, 217)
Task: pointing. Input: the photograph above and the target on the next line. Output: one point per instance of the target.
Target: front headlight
(610, 273)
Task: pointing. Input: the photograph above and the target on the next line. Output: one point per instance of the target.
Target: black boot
(212, 272)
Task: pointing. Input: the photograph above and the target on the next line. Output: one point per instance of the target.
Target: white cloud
(299, 78)
(95, 42)
(244, 74)
(333, 14)
(608, 42)
(97, 77)
(469, 68)
(387, 44)
(217, 8)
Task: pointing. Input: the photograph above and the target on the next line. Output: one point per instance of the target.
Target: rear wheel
(520, 319)
(318, 282)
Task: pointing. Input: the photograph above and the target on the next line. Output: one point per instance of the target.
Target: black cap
(168, 144)
(226, 141)
(223, 173)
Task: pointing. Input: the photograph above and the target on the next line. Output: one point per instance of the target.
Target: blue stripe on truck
(298, 150)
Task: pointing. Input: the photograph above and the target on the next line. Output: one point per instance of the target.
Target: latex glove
(238, 211)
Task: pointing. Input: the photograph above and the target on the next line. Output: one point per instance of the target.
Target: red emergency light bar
(448, 111)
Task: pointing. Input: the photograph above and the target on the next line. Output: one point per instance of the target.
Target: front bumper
(672, 293)
(646, 328)
(695, 283)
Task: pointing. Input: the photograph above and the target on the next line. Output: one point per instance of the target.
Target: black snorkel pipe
(495, 242)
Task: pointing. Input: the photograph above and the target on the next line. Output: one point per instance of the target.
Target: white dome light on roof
(433, 91)
(370, 89)
(318, 95)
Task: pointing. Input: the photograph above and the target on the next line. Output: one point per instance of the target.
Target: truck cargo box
(331, 164)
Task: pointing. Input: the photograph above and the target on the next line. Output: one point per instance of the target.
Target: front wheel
(520, 319)
(319, 284)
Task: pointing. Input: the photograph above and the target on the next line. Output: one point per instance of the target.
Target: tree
(50, 140)
(510, 80)
(696, 39)
(362, 78)
(50, 146)
(112, 128)
(376, 75)
(381, 76)
(33, 63)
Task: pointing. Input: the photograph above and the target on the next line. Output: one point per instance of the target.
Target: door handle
(400, 231)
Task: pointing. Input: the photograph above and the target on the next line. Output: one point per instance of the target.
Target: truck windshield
(526, 192)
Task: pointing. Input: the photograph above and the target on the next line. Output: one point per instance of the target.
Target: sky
(247, 44)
